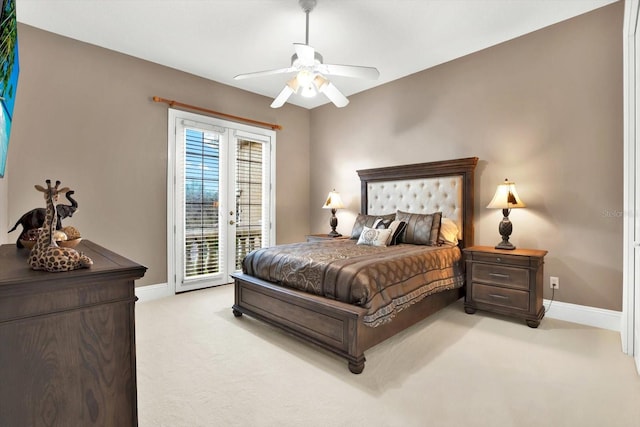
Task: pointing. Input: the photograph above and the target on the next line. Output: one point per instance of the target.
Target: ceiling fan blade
(334, 95)
(264, 73)
(306, 54)
(351, 71)
(282, 97)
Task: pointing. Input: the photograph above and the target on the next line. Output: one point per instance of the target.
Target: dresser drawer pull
(498, 296)
(502, 276)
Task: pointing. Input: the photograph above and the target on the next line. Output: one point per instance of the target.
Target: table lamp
(506, 198)
(334, 202)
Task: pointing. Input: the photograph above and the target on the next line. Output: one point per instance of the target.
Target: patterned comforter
(384, 280)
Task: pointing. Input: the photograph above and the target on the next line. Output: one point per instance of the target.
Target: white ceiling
(218, 39)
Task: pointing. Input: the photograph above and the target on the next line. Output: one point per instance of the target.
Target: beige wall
(84, 115)
(544, 110)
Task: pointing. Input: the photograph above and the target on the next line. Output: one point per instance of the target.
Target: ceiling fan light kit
(311, 72)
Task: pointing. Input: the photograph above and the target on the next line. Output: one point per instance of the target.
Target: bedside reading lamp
(506, 198)
(334, 202)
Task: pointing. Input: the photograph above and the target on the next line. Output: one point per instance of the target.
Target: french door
(220, 197)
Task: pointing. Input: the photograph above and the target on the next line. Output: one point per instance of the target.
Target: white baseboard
(152, 292)
(584, 315)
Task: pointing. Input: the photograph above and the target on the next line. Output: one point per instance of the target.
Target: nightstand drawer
(495, 295)
(501, 259)
(511, 277)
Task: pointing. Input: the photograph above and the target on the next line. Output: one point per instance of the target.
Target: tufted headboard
(443, 186)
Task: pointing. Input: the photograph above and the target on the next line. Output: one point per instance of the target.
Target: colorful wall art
(8, 75)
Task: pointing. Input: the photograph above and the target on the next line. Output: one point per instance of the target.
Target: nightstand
(507, 282)
(320, 237)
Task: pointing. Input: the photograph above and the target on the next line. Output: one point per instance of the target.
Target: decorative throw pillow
(367, 221)
(374, 236)
(382, 223)
(448, 232)
(397, 229)
(422, 229)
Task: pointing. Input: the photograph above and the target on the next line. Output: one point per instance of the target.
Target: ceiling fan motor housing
(307, 5)
(296, 61)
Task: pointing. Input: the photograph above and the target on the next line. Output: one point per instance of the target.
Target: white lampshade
(305, 77)
(333, 201)
(320, 82)
(506, 197)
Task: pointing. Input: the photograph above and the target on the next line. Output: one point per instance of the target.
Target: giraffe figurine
(46, 254)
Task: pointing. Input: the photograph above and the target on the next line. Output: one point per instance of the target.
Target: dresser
(67, 341)
(507, 282)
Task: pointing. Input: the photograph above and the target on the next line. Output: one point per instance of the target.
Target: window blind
(249, 198)
(202, 185)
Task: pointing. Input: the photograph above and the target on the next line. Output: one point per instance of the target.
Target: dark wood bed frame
(337, 326)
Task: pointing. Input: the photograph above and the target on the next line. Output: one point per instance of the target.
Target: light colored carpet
(198, 365)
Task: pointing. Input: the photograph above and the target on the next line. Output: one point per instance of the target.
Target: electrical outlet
(554, 282)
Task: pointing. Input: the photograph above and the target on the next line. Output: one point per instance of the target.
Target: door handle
(231, 222)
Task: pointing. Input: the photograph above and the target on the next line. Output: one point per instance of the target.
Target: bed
(337, 324)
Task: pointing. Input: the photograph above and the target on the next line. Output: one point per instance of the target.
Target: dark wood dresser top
(14, 268)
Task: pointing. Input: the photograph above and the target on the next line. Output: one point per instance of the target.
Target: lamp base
(505, 244)
(333, 222)
(505, 228)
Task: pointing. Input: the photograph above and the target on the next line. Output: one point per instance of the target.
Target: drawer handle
(499, 259)
(502, 276)
(498, 296)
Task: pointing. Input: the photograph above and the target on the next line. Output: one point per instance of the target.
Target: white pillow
(374, 236)
(448, 232)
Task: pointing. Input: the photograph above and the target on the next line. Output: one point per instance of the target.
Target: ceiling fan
(311, 72)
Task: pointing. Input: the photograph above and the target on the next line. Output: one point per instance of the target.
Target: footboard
(330, 324)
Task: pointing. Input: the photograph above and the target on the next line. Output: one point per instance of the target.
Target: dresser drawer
(495, 295)
(512, 277)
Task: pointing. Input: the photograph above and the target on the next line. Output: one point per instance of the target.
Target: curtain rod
(216, 113)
